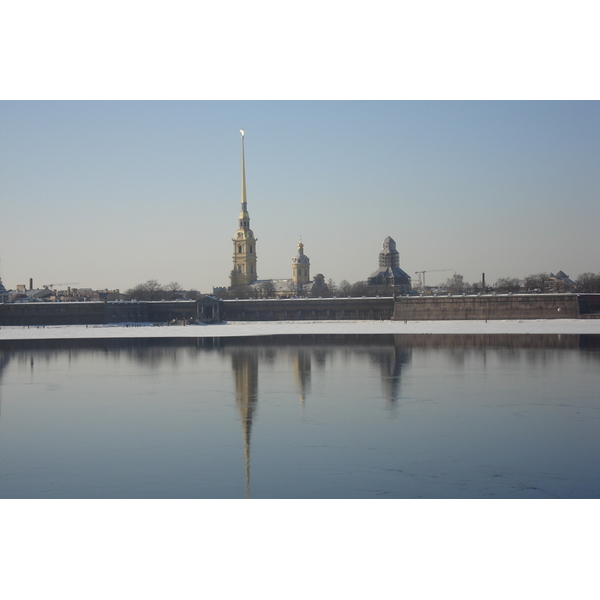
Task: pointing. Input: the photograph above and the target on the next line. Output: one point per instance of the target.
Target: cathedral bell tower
(244, 242)
(300, 267)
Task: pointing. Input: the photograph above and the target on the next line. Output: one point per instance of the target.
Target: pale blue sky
(110, 194)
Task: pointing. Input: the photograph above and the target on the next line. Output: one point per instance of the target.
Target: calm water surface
(422, 416)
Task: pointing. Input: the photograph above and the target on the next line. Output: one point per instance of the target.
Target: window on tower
(239, 249)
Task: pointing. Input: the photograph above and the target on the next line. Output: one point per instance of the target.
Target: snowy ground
(257, 328)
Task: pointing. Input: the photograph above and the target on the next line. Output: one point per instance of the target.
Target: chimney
(31, 283)
(483, 282)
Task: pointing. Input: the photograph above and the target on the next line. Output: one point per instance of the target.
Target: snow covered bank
(257, 328)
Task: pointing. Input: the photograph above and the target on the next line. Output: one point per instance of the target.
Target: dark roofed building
(390, 275)
(561, 282)
(3, 292)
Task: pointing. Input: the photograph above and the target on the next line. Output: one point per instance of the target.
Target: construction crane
(51, 285)
(419, 273)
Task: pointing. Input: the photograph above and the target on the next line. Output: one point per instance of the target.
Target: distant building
(299, 284)
(317, 287)
(560, 282)
(389, 276)
(3, 292)
(300, 267)
(244, 275)
(40, 294)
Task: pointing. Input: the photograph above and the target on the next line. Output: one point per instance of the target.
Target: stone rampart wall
(521, 306)
(53, 313)
(91, 313)
(308, 309)
(405, 308)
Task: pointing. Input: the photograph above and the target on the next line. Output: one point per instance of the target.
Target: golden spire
(243, 174)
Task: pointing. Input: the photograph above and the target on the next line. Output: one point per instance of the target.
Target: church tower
(300, 267)
(389, 274)
(244, 242)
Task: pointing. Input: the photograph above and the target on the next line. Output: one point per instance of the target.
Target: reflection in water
(4, 359)
(302, 372)
(391, 362)
(390, 358)
(244, 363)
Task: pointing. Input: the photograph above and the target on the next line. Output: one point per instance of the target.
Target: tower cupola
(300, 267)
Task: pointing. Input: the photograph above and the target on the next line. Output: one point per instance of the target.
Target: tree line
(151, 290)
(535, 283)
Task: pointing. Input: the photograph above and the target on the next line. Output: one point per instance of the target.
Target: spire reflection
(244, 362)
(4, 358)
(302, 372)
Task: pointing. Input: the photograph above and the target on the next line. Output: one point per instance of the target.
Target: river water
(330, 416)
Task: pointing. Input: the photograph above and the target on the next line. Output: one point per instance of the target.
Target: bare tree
(588, 283)
(544, 281)
(345, 288)
(151, 290)
(137, 292)
(360, 288)
(455, 284)
(332, 287)
(538, 283)
(506, 285)
(173, 290)
(267, 289)
(155, 290)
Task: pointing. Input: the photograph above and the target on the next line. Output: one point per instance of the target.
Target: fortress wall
(166, 311)
(405, 308)
(525, 306)
(308, 309)
(93, 313)
(52, 313)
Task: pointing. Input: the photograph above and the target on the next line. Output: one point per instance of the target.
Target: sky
(109, 194)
